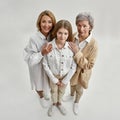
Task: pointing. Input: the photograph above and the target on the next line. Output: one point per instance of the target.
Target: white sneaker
(68, 98)
(62, 109)
(43, 102)
(51, 110)
(46, 97)
(75, 108)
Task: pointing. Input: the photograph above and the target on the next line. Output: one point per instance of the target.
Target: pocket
(68, 59)
(84, 78)
(50, 59)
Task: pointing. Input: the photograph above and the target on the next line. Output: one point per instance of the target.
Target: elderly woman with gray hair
(85, 52)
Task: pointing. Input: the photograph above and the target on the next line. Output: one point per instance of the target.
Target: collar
(42, 36)
(55, 46)
(87, 39)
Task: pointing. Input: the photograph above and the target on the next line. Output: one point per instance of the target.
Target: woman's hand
(46, 48)
(73, 47)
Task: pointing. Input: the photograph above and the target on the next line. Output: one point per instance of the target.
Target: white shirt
(59, 62)
(33, 57)
(83, 43)
(32, 52)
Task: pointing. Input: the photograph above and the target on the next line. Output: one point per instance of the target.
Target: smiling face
(46, 25)
(83, 28)
(62, 35)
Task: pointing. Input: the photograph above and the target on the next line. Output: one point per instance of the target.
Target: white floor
(18, 102)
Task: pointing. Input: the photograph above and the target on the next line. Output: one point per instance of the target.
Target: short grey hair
(85, 16)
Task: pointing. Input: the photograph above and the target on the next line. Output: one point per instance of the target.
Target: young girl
(36, 49)
(59, 64)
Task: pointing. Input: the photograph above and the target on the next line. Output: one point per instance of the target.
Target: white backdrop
(17, 22)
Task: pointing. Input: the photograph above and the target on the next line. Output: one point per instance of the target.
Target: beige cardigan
(85, 60)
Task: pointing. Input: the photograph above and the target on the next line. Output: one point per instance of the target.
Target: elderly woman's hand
(73, 47)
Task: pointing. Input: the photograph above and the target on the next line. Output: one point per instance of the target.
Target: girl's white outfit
(34, 58)
(59, 62)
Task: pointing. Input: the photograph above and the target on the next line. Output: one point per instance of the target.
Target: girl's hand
(58, 83)
(62, 84)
